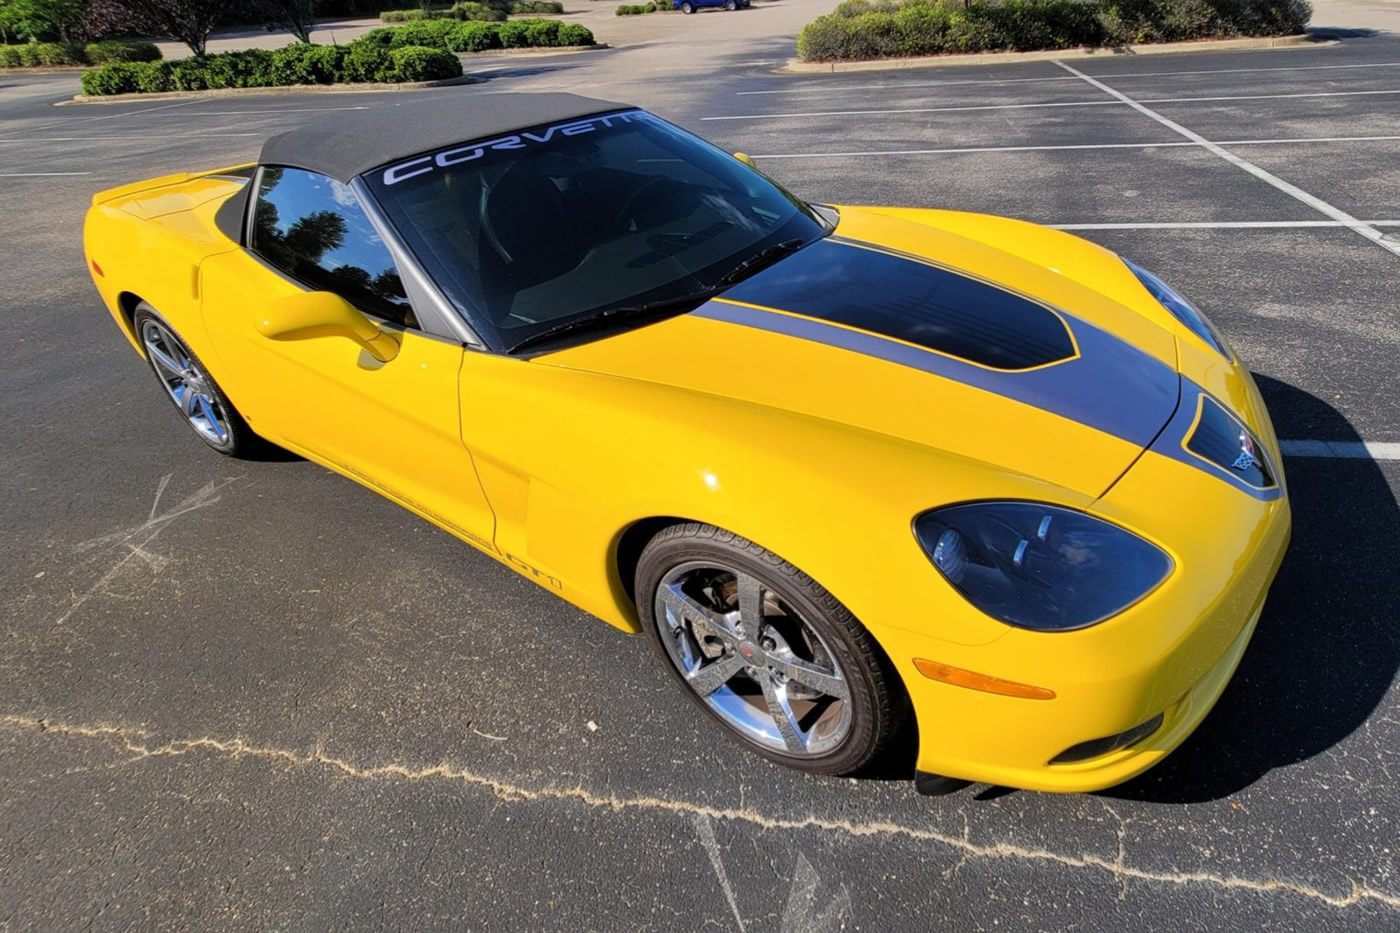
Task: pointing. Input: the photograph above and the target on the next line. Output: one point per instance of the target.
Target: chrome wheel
(189, 387)
(753, 659)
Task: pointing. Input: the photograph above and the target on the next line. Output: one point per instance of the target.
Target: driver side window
(312, 228)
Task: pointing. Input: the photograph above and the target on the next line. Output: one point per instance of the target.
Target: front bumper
(1171, 654)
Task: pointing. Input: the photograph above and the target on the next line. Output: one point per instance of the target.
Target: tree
(42, 20)
(188, 21)
(295, 16)
(15, 17)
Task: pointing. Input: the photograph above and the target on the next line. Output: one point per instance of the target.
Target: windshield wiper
(634, 314)
(759, 260)
(666, 307)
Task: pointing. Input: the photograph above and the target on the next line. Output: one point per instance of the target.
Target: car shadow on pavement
(1327, 647)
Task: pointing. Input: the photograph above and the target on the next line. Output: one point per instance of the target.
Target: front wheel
(687, 7)
(766, 651)
(730, 5)
(188, 385)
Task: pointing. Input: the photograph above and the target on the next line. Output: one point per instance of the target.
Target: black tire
(877, 703)
(239, 440)
(687, 8)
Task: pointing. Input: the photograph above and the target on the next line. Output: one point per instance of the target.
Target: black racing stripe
(904, 298)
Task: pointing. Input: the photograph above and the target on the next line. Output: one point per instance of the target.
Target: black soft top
(351, 143)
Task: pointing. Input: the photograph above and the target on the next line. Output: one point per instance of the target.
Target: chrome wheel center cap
(751, 652)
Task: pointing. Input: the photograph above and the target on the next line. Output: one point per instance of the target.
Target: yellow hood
(950, 331)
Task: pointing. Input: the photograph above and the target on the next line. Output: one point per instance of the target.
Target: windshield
(530, 232)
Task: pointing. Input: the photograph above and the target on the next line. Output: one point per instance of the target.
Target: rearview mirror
(746, 159)
(324, 314)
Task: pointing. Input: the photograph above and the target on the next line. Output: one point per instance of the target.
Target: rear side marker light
(946, 673)
(1096, 747)
(98, 269)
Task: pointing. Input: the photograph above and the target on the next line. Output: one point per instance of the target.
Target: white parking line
(895, 86)
(221, 113)
(869, 113)
(1223, 225)
(1316, 203)
(1342, 450)
(1142, 145)
(131, 136)
(1073, 103)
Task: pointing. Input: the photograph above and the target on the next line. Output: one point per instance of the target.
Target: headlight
(1181, 309)
(1040, 566)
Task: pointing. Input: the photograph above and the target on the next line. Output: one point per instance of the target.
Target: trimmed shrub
(516, 34)
(119, 78)
(536, 6)
(49, 54)
(113, 50)
(412, 16)
(494, 11)
(414, 63)
(571, 34)
(40, 55)
(480, 12)
(308, 64)
(637, 9)
(297, 64)
(474, 37)
(542, 33)
(364, 63)
(430, 33)
(888, 28)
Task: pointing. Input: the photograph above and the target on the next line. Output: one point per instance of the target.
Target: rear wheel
(687, 7)
(188, 385)
(766, 651)
(730, 5)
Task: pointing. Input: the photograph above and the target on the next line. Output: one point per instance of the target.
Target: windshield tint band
(850, 283)
(1111, 386)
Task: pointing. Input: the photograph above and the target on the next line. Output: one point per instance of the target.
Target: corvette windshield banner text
(472, 151)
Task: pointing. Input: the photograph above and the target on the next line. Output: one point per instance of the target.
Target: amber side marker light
(946, 673)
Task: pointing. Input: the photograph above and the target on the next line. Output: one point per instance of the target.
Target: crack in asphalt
(131, 740)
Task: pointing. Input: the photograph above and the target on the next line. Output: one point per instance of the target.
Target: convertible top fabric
(351, 143)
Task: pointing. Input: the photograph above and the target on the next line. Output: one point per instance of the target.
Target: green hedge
(492, 11)
(294, 64)
(46, 54)
(479, 36)
(637, 9)
(861, 29)
(470, 10)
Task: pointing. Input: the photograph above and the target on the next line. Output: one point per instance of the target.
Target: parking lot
(241, 695)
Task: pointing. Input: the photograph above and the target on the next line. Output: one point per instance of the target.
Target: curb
(794, 66)
(330, 88)
(46, 70)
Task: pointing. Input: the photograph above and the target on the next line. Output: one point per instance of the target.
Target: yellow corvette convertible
(839, 464)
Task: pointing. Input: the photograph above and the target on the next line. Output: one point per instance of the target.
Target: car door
(394, 426)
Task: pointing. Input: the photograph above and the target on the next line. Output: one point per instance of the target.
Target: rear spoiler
(237, 171)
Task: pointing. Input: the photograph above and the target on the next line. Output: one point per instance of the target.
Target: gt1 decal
(535, 572)
(472, 151)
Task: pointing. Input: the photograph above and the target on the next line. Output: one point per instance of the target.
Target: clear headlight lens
(1181, 309)
(1040, 566)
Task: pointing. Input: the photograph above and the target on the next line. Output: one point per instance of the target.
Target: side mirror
(324, 314)
(746, 159)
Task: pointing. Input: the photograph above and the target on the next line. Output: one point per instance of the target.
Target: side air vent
(1220, 438)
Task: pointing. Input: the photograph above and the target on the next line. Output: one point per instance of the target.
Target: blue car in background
(690, 6)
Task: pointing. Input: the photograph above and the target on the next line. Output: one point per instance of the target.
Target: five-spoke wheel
(766, 651)
(188, 384)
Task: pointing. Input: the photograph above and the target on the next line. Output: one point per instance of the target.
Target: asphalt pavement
(239, 695)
